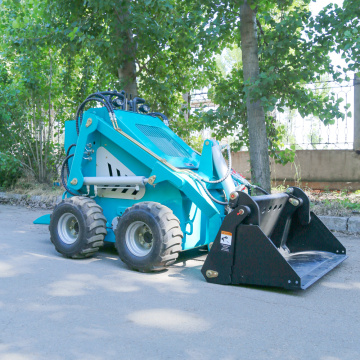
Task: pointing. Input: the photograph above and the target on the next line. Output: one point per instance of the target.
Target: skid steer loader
(132, 181)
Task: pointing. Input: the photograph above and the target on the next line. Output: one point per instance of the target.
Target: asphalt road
(56, 308)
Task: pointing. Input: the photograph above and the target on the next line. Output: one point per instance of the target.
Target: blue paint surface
(200, 218)
(43, 220)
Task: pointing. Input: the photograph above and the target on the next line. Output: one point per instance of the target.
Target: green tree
(283, 49)
(147, 47)
(37, 84)
(56, 53)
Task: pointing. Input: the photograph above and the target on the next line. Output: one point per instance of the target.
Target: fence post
(356, 113)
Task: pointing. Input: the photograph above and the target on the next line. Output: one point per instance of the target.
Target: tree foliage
(53, 54)
(294, 52)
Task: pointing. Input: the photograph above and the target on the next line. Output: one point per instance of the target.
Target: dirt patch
(335, 203)
(27, 192)
(332, 203)
(28, 186)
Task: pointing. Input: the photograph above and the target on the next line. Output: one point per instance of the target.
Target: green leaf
(15, 24)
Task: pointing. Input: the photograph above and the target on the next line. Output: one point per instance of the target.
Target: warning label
(225, 238)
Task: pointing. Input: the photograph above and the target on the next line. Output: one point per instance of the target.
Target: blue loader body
(123, 157)
(130, 180)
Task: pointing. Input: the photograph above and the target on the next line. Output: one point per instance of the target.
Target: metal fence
(308, 132)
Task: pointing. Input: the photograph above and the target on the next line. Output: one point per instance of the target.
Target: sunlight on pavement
(14, 356)
(170, 320)
(343, 286)
(6, 270)
(7, 353)
(80, 284)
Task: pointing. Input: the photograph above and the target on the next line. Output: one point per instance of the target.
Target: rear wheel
(77, 227)
(148, 237)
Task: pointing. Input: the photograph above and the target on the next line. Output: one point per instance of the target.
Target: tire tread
(170, 231)
(95, 223)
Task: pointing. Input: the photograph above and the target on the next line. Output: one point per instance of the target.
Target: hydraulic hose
(211, 197)
(69, 148)
(201, 180)
(165, 119)
(227, 174)
(64, 182)
(79, 112)
(67, 155)
(110, 93)
(260, 189)
(106, 96)
(101, 98)
(247, 184)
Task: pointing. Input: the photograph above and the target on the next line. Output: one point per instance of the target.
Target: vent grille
(163, 141)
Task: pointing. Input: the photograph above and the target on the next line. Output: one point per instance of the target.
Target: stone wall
(45, 202)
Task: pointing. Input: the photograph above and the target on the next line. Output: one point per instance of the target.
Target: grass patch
(335, 203)
(331, 203)
(28, 186)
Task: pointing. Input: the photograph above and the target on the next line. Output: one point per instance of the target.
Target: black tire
(77, 227)
(166, 236)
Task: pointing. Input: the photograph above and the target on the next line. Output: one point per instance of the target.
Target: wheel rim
(68, 228)
(139, 239)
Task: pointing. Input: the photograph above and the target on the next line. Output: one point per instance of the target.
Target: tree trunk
(127, 76)
(259, 156)
(127, 52)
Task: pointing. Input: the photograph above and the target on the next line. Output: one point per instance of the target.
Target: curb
(36, 201)
(344, 224)
(349, 225)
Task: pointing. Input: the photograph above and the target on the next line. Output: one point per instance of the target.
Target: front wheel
(77, 227)
(148, 237)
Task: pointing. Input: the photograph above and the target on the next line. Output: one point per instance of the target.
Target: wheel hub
(68, 228)
(139, 238)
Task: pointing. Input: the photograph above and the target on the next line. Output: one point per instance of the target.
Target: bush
(11, 170)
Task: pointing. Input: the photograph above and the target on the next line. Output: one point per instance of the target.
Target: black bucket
(272, 240)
